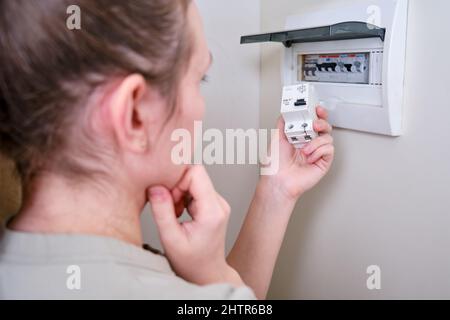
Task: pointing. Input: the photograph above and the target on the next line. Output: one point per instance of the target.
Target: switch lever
(300, 102)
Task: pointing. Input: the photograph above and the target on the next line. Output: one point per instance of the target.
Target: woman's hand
(300, 170)
(195, 249)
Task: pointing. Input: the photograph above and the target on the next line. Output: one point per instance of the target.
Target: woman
(87, 116)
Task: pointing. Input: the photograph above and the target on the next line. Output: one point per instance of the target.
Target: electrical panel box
(354, 57)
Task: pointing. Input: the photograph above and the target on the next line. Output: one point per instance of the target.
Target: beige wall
(386, 200)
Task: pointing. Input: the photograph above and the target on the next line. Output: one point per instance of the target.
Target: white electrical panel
(354, 58)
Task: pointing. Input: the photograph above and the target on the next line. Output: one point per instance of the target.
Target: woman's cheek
(201, 105)
(195, 103)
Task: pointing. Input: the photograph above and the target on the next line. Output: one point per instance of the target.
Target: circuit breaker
(341, 68)
(298, 108)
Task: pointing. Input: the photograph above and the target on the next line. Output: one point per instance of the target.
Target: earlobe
(144, 145)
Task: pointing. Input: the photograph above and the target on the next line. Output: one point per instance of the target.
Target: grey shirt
(42, 266)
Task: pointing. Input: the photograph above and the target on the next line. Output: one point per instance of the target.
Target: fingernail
(157, 194)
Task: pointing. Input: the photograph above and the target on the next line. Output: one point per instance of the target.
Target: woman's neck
(54, 205)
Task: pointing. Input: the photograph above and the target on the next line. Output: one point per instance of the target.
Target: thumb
(163, 211)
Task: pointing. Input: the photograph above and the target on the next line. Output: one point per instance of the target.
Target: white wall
(386, 200)
(232, 99)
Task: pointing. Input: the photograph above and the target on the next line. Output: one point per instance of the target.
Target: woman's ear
(130, 111)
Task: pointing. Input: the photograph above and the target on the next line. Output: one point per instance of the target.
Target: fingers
(197, 184)
(322, 126)
(196, 181)
(325, 152)
(322, 113)
(280, 123)
(224, 204)
(280, 127)
(317, 143)
(179, 208)
(164, 213)
(181, 201)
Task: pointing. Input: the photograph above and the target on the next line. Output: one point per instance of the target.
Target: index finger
(197, 184)
(322, 113)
